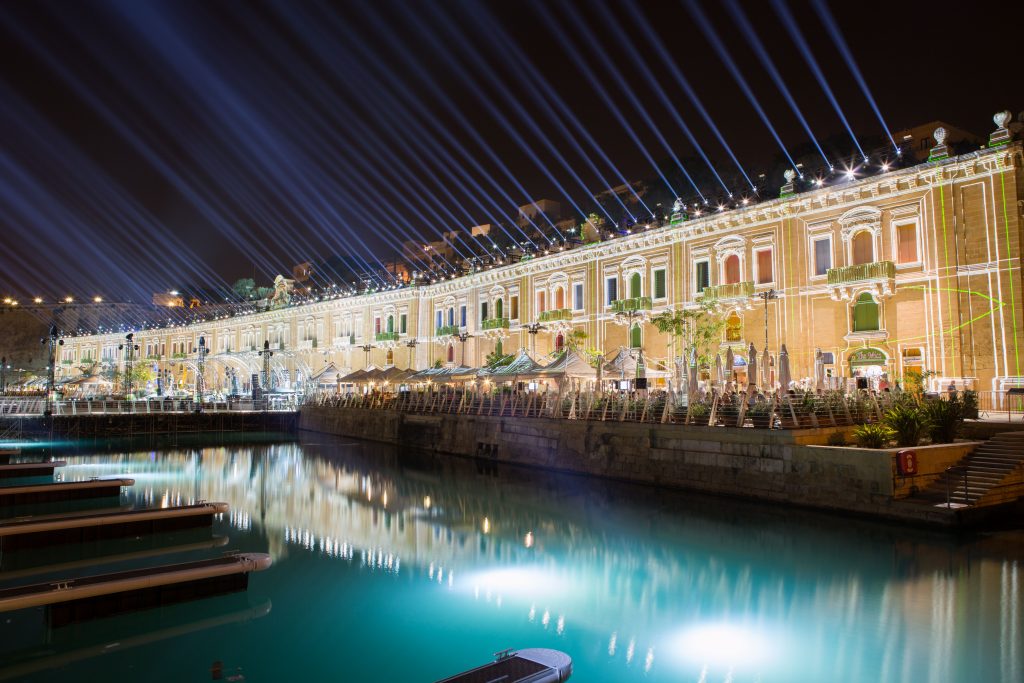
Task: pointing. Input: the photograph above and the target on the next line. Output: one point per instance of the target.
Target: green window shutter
(865, 314)
(634, 285)
(659, 284)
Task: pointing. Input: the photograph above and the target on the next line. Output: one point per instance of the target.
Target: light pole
(366, 349)
(766, 296)
(533, 329)
(266, 353)
(462, 337)
(53, 342)
(201, 368)
(130, 347)
(411, 344)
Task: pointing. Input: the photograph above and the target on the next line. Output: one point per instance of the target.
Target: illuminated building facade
(912, 270)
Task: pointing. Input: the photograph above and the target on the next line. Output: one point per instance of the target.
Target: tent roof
(624, 363)
(571, 364)
(326, 375)
(360, 375)
(522, 364)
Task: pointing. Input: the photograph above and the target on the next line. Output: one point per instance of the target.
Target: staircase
(994, 473)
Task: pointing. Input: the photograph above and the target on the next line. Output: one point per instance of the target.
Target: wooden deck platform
(29, 469)
(62, 491)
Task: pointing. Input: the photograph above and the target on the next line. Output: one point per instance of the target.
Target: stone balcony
(879, 276)
(734, 292)
(554, 315)
(636, 303)
(494, 324)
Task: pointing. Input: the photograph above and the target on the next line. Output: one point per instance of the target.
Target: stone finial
(939, 151)
(1001, 135)
(789, 188)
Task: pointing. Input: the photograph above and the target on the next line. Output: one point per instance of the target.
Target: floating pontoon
(24, 532)
(29, 469)
(60, 491)
(72, 600)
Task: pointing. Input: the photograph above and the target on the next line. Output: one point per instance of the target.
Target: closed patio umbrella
(766, 367)
(730, 363)
(784, 375)
(752, 365)
(719, 372)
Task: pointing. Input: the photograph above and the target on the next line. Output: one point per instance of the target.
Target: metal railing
(447, 331)
(785, 411)
(385, 336)
(733, 290)
(636, 303)
(28, 407)
(862, 272)
(555, 315)
(952, 471)
(495, 324)
(995, 405)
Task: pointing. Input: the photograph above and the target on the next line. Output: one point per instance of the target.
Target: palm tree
(694, 329)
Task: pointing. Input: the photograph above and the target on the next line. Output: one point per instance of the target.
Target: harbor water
(395, 565)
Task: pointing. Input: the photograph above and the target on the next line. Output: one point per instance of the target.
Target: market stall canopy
(571, 365)
(624, 363)
(327, 376)
(521, 365)
(357, 376)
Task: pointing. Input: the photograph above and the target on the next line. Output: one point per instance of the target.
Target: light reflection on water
(402, 566)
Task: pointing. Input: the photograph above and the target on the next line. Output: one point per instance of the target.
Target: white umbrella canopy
(730, 365)
(766, 369)
(784, 373)
(693, 385)
(752, 365)
(719, 372)
(819, 370)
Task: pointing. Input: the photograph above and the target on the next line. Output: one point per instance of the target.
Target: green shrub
(836, 439)
(872, 435)
(970, 403)
(908, 421)
(945, 416)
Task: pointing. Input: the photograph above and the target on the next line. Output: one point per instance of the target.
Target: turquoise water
(398, 566)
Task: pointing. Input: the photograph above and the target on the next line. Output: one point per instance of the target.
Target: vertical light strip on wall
(1009, 259)
(945, 254)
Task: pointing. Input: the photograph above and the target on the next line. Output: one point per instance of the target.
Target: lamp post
(129, 347)
(533, 329)
(766, 296)
(266, 353)
(366, 349)
(52, 341)
(462, 337)
(411, 344)
(201, 368)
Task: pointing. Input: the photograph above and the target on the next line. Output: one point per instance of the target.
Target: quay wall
(142, 424)
(774, 465)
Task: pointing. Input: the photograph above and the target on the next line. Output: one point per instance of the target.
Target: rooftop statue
(282, 294)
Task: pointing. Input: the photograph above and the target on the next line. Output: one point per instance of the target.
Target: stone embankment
(788, 466)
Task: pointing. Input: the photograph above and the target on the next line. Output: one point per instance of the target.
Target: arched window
(451, 353)
(389, 358)
(559, 298)
(499, 308)
(733, 328)
(731, 269)
(635, 286)
(391, 323)
(451, 315)
(865, 314)
(540, 302)
(863, 247)
(636, 336)
(559, 342)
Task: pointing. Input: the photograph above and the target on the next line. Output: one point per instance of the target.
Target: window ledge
(867, 335)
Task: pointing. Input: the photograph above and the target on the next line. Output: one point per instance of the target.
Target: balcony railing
(637, 303)
(306, 344)
(494, 324)
(555, 315)
(385, 336)
(447, 331)
(735, 290)
(862, 272)
(347, 340)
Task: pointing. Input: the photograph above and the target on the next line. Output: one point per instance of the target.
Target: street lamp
(411, 344)
(201, 368)
(366, 349)
(129, 347)
(766, 296)
(462, 337)
(533, 329)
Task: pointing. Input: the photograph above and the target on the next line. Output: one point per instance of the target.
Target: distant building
(168, 299)
(919, 140)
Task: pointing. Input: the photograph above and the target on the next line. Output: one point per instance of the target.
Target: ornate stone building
(902, 271)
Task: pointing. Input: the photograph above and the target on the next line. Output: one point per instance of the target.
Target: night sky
(153, 145)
